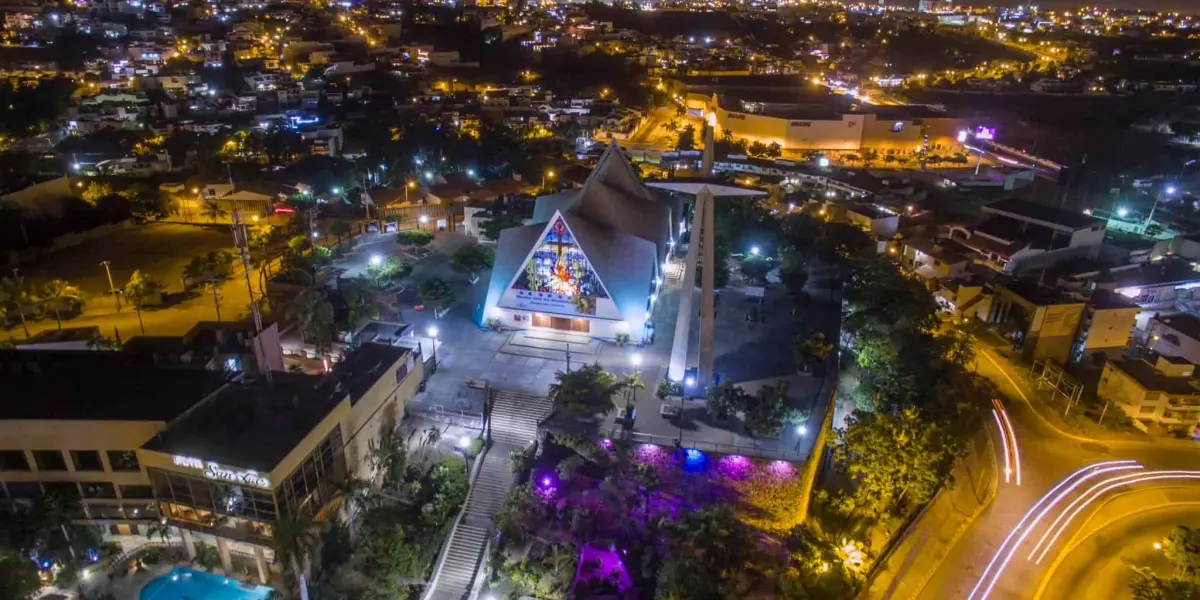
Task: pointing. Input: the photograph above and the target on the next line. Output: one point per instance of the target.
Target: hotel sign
(214, 470)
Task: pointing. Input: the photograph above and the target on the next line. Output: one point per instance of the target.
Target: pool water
(186, 584)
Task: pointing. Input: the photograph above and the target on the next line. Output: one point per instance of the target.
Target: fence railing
(452, 416)
(712, 447)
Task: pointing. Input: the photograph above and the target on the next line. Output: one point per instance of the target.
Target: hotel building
(220, 460)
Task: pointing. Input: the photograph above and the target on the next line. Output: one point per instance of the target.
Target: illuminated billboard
(557, 277)
(985, 133)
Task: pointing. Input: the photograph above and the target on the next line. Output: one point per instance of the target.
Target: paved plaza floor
(748, 353)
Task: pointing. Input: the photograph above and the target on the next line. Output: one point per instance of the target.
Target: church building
(593, 261)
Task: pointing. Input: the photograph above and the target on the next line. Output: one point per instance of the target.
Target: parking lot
(160, 250)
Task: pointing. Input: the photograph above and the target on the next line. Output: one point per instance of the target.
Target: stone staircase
(515, 416)
(514, 422)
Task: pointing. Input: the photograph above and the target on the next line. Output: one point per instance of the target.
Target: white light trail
(1012, 452)
(1004, 440)
(1107, 484)
(994, 577)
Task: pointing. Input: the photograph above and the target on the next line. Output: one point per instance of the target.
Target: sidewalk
(906, 571)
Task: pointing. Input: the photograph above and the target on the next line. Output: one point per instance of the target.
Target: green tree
(139, 290)
(314, 318)
(492, 227)
(758, 149)
(415, 238)
(764, 412)
(18, 298)
(147, 203)
(364, 301)
(686, 139)
(710, 556)
(213, 210)
(869, 156)
(586, 391)
(473, 258)
(18, 576)
(1149, 586)
(793, 272)
(811, 349)
(95, 192)
(388, 269)
(339, 229)
(755, 269)
(897, 461)
(60, 296)
(437, 293)
(1182, 548)
(299, 244)
(773, 150)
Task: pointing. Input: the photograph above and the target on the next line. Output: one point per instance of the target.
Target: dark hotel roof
(255, 425)
(249, 425)
(97, 386)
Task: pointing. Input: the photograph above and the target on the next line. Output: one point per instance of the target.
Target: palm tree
(354, 494)
(213, 210)
(293, 536)
(158, 528)
(58, 296)
(631, 384)
(585, 391)
(138, 291)
(17, 297)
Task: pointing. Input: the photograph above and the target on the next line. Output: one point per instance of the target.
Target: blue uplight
(694, 460)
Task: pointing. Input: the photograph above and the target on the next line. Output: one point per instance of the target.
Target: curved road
(1048, 455)
(1100, 564)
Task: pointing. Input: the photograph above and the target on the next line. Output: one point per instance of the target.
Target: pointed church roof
(624, 264)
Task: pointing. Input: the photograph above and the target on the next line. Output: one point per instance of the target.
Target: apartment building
(1162, 393)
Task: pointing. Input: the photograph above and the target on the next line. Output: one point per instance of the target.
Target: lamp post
(549, 174)
(111, 288)
(636, 361)
(423, 220)
(433, 333)
(408, 185)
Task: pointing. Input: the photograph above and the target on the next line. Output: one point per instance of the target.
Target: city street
(1048, 455)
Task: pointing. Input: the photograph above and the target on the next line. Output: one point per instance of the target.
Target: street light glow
(823, 162)
(432, 331)
(464, 441)
(690, 381)
(424, 219)
(337, 190)
(470, 172)
(1122, 212)
(376, 259)
(316, 234)
(636, 359)
(754, 250)
(801, 430)
(1171, 190)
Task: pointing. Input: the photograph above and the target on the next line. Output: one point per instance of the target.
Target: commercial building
(593, 259)
(800, 122)
(1018, 234)
(1164, 392)
(219, 459)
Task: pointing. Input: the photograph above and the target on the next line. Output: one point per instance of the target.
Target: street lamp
(1171, 190)
(423, 220)
(754, 250)
(433, 333)
(376, 260)
(823, 162)
(111, 288)
(336, 190)
(408, 186)
(549, 174)
(801, 430)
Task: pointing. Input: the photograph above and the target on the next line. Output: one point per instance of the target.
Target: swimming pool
(186, 584)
